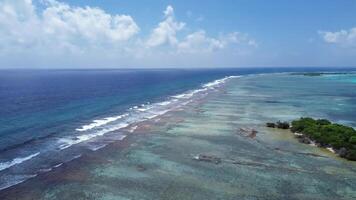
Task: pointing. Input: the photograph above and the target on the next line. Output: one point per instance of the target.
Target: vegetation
(282, 125)
(270, 125)
(326, 134)
(320, 73)
(279, 124)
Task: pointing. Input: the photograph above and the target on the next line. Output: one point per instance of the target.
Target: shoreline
(313, 143)
(323, 128)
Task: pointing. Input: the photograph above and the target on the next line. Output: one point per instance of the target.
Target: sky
(177, 33)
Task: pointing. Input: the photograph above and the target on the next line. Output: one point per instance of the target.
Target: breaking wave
(100, 127)
(8, 164)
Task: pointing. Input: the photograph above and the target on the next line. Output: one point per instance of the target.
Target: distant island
(338, 138)
(320, 73)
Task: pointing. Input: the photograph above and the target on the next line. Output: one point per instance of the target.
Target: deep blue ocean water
(36, 103)
(48, 117)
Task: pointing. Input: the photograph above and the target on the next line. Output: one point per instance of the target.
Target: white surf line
(16, 180)
(16, 161)
(100, 122)
(143, 108)
(67, 142)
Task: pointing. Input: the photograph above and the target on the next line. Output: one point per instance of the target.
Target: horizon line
(180, 68)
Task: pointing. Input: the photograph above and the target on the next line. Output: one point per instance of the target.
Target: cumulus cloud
(87, 23)
(239, 39)
(166, 30)
(57, 32)
(342, 37)
(198, 42)
(60, 24)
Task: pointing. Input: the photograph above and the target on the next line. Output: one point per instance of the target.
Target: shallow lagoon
(156, 161)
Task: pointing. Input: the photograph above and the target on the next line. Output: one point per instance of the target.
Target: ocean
(50, 118)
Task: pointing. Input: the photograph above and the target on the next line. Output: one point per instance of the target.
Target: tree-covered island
(341, 138)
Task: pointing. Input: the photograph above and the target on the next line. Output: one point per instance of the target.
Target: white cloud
(166, 30)
(60, 25)
(87, 23)
(196, 42)
(18, 22)
(199, 42)
(58, 34)
(239, 39)
(342, 37)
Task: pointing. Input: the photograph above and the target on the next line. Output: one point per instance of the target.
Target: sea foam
(100, 122)
(5, 165)
(100, 127)
(14, 180)
(135, 114)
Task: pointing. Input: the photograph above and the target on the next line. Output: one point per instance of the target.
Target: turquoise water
(49, 117)
(156, 159)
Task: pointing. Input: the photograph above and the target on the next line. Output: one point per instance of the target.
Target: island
(338, 138)
(320, 73)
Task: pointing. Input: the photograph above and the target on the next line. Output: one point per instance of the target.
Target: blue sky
(147, 33)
